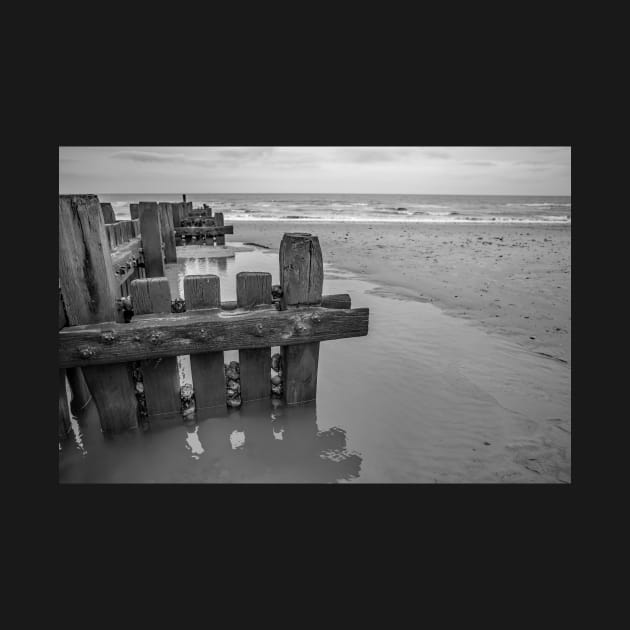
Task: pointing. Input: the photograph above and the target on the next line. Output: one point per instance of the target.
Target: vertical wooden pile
(89, 291)
(151, 231)
(218, 221)
(254, 289)
(301, 279)
(201, 292)
(108, 213)
(168, 232)
(133, 210)
(160, 377)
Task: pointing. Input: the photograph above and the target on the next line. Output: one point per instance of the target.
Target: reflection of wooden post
(253, 289)
(207, 368)
(151, 239)
(218, 221)
(159, 376)
(64, 409)
(301, 279)
(89, 291)
(168, 232)
(80, 391)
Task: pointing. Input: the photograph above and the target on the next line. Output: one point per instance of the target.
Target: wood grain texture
(203, 292)
(85, 274)
(301, 269)
(108, 213)
(168, 233)
(254, 289)
(191, 332)
(160, 375)
(333, 300)
(126, 252)
(301, 279)
(177, 209)
(151, 231)
(89, 291)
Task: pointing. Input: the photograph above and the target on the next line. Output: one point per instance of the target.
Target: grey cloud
(480, 163)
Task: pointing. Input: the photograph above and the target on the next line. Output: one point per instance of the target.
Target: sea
(366, 208)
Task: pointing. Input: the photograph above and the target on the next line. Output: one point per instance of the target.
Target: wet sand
(423, 398)
(514, 280)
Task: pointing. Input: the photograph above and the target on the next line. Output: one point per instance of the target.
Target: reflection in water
(268, 441)
(263, 441)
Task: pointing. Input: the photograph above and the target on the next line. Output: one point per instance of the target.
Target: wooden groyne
(118, 349)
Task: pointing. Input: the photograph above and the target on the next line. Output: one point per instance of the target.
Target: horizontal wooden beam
(335, 300)
(207, 230)
(124, 252)
(168, 335)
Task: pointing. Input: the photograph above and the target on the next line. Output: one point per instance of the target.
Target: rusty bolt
(316, 318)
(107, 337)
(259, 330)
(86, 353)
(155, 337)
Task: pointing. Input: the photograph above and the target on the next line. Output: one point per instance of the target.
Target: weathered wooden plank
(151, 239)
(168, 232)
(108, 213)
(111, 235)
(89, 291)
(191, 332)
(136, 227)
(254, 289)
(203, 292)
(159, 375)
(177, 209)
(134, 211)
(208, 230)
(301, 279)
(334, 300)
(126, 252)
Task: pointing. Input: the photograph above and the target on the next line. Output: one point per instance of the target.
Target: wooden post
(159, 376)
(218, 222)
(133, 210)
(201, 292)
(151, 240)
(168, 232)
(108, 213)
(301, 279)
(89, 291)
(184, 198)
(253, 289)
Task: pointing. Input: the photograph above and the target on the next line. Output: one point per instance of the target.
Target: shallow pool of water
(424, 397)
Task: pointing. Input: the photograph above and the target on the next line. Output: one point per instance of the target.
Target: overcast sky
(396, 170)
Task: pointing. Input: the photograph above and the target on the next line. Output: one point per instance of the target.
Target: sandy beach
(513, 280)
